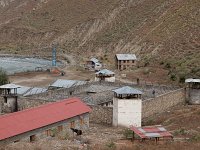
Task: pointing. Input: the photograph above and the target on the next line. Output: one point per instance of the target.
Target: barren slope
(161, 31)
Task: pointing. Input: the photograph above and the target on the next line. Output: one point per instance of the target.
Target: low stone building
(125, 61)
(105, 75)
(46, 120)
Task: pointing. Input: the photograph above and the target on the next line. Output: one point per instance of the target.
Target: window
(70, 93)
(5, 100)
(60, 128)
(48, 132)
(81, 120)
(72, 124)
(127, 61)
(133, 61)
(124, 61)
(32, 138)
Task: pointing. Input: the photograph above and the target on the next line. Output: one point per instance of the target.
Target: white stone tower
(127, 107)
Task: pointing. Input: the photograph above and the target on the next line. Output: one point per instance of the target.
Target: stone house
(125, 61)
(94, 64)
(105, 75)
(46, 120)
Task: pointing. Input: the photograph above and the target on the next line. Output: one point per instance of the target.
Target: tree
(3, 77)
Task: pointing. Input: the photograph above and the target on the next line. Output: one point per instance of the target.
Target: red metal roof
(151, 131)
(30, 119)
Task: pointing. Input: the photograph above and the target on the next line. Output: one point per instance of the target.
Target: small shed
(125, 61)
(156, 132)
(127, 107)
(94, 64)
(105, 75)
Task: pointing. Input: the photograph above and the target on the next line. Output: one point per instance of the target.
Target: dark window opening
(5, 100)
(32, 138)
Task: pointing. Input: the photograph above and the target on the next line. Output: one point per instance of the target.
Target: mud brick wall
(162, 103)
(101, 115)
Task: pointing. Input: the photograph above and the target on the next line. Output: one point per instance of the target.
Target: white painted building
(127, 107)
(105, 75)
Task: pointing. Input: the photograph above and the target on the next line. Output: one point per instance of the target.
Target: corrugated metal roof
(22, 90)
(35, 90)
(127, 90)
(192, 80)
(151, 131)
(34, 118)
(105, 72)
(126, 57)
(94, 60)
(67, 83)
(99, 88)
(9, 86)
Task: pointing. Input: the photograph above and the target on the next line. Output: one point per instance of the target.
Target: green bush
(167, 65)
(127, 133)
(182, 79)
(111, 145)
(196, 138)
(3, 77)
(173, 77)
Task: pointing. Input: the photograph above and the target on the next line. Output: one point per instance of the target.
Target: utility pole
(54, 55)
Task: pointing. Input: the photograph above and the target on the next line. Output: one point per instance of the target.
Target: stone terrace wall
(25, 102)
(101, 115)
(163, 102)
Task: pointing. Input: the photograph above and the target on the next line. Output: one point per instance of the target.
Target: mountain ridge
(161, 32)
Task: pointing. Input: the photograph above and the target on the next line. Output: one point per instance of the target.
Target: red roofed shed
(43, 117)
(151, 132)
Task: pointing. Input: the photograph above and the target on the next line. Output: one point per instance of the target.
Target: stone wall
(162, 103)
(1, 104)
(26, 102)
(57, 94)
(101, 115)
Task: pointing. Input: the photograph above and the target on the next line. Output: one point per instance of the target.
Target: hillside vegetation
(164, 33)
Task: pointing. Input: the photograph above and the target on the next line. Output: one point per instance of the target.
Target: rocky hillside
(164, 33)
